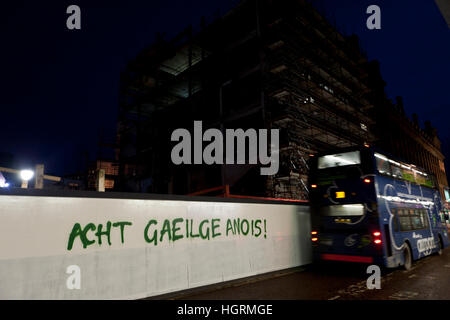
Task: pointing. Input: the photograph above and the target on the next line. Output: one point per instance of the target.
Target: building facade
(405, 138)
(265, 64)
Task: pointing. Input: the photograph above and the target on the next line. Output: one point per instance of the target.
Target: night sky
(59, 87)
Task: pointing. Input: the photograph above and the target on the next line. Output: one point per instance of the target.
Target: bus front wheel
(407, 257)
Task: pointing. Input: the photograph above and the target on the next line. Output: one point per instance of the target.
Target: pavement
(428, 279)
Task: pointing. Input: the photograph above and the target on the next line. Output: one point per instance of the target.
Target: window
(404, 220)
(396, 171)
(383, 166)
(424, 180)
(410, 219)
(424, 217)
(429, 182)
(408, 174)
(402, 171)
(417, 221)
(420, 179)
(339, 160)
(343, 210)
(395, 222)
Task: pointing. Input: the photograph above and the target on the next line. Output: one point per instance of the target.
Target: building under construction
(265, 64)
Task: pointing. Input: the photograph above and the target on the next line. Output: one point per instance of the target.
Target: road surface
(429, 278)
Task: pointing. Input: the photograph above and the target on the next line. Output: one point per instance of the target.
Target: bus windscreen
(339, 160)
(342, 210)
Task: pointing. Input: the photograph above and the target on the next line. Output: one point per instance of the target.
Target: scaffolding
(313, 88)
(315, 100)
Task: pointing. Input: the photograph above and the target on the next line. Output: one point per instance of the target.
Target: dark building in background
(444, 7)
(266, 64)
(111, 169)
(6, 160)
(106, 160)
(405, 138)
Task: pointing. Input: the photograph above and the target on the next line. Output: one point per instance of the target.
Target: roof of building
(444, 6)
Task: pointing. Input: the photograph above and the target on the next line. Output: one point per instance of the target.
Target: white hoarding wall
(127, 248)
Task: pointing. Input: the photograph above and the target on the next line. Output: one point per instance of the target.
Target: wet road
(429, 278)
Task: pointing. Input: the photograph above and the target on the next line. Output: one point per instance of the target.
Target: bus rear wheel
(407, 257)
(441, 247)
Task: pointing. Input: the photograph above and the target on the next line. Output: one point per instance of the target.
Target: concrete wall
(36, 247)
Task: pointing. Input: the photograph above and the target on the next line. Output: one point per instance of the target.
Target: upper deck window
(402, 171)
(339, 160)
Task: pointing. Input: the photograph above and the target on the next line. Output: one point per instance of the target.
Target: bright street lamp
(26, 175)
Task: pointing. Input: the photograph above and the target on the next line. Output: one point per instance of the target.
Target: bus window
(396, 171)
(403, 171)
(383, 166)
(404, 220)
(420, 179)
(400, 172)
(428, 182)
(343, 210)
(424, 216)
(408, 174)
(425, 180)
(411, 219)
(394, 220)
(417, 220)
(339, 160)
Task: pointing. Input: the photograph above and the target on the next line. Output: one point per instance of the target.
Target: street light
(26, 175)
(3, 183)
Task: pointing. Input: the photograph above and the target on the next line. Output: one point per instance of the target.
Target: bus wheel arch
(407, 255)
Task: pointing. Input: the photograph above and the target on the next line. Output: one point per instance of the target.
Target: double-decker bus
(369, 207)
